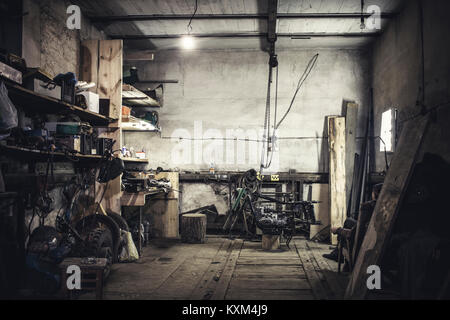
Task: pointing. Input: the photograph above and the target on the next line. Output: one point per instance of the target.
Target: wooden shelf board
(33, 102)
(135, 160)
(36, 154)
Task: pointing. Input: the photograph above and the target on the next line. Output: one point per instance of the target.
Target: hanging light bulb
(188, 42)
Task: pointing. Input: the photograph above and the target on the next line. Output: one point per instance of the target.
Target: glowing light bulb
(188, 42)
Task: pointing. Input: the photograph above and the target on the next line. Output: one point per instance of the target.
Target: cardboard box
(92, 100)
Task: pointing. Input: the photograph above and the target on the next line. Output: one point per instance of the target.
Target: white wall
(227, 90)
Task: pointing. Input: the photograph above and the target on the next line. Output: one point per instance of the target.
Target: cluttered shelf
(35, 102)
(40, 154)
(135, 160)
(33, 154)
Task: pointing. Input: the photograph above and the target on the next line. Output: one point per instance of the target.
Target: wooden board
(336, 145)
(164, 208)
(110, 75)
(310, 271)
(164, 218)
(225, 277)
(387, 206)
(89, 62)
(205, 287)
(351, 120)
(101, 62)
(320, 192)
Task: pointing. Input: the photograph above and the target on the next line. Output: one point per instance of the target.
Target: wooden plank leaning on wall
(101, 62)
(351, 120)
(387, 206)
(336, 145)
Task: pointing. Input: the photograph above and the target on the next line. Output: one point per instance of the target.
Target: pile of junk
(82, 229)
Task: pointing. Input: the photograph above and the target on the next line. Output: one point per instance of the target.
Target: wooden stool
(95, 270)
(270, 242)
(193, 228)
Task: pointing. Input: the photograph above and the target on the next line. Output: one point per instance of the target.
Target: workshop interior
(224, 150)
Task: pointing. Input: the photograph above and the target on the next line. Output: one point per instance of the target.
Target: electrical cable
(267, 139)
(189, 27)
(266, 136)
(302, 79)
(273, 138)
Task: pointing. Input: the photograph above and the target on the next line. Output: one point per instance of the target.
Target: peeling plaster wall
(227, 90)
(47, 42)
(224, 90)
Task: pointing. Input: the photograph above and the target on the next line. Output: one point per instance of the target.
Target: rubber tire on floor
(92, 219)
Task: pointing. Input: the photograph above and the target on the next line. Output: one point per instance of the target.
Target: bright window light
(187, 42)
(387, 131)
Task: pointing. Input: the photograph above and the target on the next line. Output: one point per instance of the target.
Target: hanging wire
(302, 79)
(189, 26)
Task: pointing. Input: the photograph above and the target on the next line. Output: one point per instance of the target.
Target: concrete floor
(228, 269)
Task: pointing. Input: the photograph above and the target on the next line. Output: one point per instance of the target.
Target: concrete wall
(397, 71)
(224, 90)
(227, 90)
(47, 42)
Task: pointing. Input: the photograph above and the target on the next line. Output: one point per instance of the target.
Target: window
(387, 133)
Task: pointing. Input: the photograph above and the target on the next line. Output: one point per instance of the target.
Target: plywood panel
(336, 144)
(351, 119)
(101, 62)
(89, 62)
(388, 204)
(110, 74)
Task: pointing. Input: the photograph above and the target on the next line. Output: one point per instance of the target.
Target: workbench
(137, 199)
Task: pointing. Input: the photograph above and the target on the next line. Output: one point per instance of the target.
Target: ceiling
(236, 24)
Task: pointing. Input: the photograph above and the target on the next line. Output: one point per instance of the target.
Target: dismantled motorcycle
(257, 211)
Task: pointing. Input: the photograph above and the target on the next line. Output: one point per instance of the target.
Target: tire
(121, 222)
(43, 234)
(99, 244)
(91, 223)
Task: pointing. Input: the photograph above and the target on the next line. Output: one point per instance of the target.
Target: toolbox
(39, 81)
